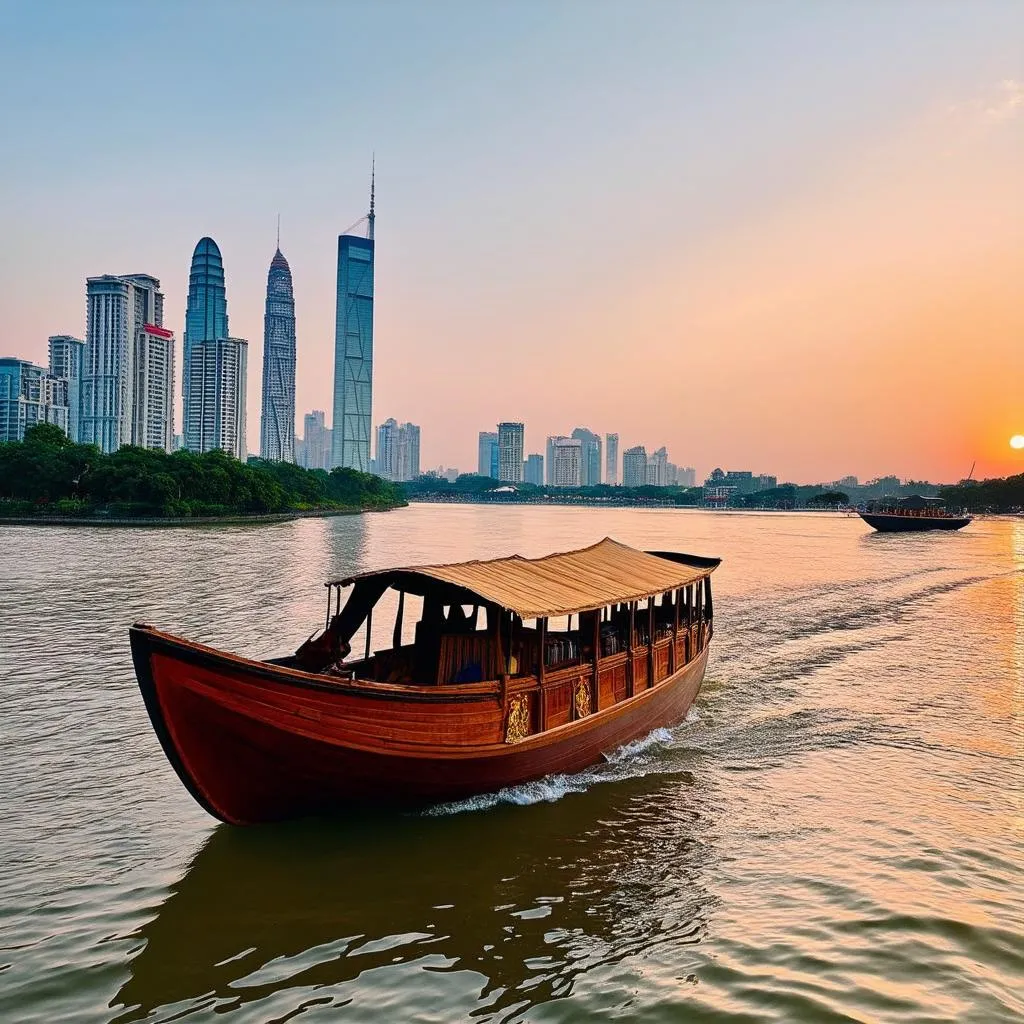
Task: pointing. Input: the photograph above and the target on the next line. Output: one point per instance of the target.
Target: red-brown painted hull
(253, 742)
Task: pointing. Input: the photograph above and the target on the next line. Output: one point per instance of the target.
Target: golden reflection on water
(836, 833)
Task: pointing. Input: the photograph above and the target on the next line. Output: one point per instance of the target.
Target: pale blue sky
(534, 160)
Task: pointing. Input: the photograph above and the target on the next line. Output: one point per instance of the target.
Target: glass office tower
(353, 354)
(206, 315)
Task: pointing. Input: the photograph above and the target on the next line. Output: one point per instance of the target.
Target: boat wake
(636, 759)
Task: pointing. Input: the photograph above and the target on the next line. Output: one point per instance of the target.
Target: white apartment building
(398, 451)
(567, 462)
(510, 452)
(119, 370)
(66, 358)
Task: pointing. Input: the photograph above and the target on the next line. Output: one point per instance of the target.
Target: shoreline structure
(171, 521)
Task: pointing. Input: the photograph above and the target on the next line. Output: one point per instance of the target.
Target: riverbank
(583, 501)
(171, 521)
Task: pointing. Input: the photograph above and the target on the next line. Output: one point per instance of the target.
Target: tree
(828, 499)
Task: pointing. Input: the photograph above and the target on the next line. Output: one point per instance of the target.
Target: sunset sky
(785, 237)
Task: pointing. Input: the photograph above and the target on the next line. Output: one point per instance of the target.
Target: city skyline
(863, 243)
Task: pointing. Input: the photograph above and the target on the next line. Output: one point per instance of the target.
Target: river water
(836, 833)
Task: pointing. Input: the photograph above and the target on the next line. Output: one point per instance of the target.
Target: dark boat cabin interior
(454, 637)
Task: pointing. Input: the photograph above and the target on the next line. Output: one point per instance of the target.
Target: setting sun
(1017, 441)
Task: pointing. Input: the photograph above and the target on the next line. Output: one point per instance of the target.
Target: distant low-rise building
(742, 480)
(718, 495)
(767, 482)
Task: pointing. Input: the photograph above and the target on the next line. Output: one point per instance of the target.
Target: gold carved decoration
(518, 727)
(582, 699)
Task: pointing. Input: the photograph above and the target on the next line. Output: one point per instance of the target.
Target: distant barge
(913, 515)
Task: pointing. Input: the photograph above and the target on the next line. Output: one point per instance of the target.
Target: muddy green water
(837, 833)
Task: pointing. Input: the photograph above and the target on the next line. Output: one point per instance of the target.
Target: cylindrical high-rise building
(214, 373)
(277, 418)
(206, 315)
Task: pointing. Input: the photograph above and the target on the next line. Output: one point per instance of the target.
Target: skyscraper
(28, 396)
(533, 470)
(567, 459)
(510, 452)
(206, 315)
(353, 348)
(277, 417)
(128, 367)
(611, 457)
(590, 455)
(66, 354)
(657, 468)
(634, 466)
(153, 407)
(398, 451)
(214, 373)
(216, 410)
(316, 441)
(549, 461)
(487, 454)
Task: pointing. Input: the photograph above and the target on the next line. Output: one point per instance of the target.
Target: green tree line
(48, 474)
(1004, 494)
(471, 485)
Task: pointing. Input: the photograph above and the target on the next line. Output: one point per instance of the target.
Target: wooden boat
(912, 515)
(518, 668)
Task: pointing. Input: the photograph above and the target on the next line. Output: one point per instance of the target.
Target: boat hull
(254, 742)
(886, 523)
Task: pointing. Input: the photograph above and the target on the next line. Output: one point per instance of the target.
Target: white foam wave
(632, 760)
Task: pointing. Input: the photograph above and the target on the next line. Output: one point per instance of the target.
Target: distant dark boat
(912, 515)
(519, 668)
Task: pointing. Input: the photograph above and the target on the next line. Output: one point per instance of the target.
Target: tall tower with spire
(277, 418)
(353, 347)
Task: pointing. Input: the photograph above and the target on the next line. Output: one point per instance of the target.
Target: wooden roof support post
(673, 657)
(650, 641)
(597, 658)
(542, 635)
(396, 639)
(699, 614)
(630, 687)
(499, 618)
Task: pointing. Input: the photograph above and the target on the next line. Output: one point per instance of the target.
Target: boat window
(614, 630)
